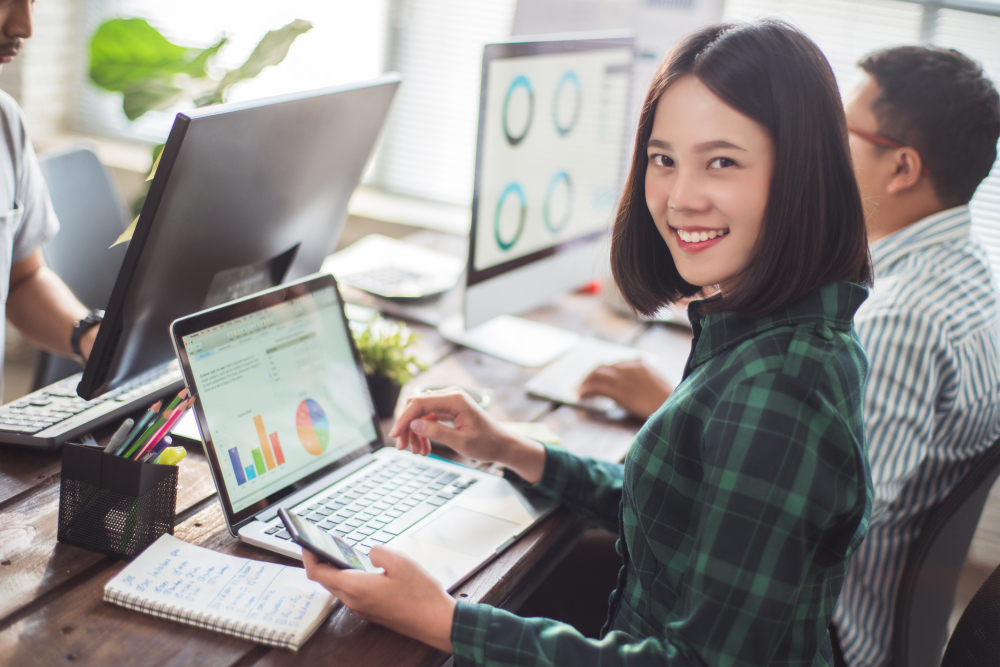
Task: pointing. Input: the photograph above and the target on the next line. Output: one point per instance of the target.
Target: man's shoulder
(950, 285)
(12, 132)
(9, 109)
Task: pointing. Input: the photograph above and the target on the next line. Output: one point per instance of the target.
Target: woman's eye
(721, 163)
(662, 160)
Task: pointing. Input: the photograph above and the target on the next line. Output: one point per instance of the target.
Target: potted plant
(388, 365)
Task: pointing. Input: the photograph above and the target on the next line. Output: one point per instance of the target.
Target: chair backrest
(92, 214)
(926, 592)
(975, 641)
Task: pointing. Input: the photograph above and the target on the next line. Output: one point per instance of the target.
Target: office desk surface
(51, 608)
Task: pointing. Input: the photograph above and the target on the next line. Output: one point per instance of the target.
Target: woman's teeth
(694, 237)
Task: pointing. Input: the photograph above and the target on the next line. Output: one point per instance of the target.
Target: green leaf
(273, 48)
(196, 68)
(150, 95)
(124, 52)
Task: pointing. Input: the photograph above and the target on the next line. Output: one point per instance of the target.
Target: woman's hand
(631, 384)
(403, 598)
(473, 433)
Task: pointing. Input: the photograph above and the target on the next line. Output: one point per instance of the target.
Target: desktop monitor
(246, 196)
(550, 163)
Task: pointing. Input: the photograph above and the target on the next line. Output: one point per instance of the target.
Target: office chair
(975, 641)
(92, 214)
(926, 592)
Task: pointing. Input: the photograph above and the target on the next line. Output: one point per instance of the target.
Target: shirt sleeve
(589, 487)
(38, 219)
(783, 494)
(909, 361)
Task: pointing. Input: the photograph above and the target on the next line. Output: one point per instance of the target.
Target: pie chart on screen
(313, 428)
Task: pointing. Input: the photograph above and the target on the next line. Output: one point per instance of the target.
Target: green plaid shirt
(738, 505)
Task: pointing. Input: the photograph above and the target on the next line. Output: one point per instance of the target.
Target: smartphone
(329, 548)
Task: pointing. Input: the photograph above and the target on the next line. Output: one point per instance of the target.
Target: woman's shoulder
(806, 352)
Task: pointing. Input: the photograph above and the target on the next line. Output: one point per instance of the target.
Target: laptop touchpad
(466, 531)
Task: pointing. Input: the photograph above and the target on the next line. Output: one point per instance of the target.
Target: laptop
(287, 421)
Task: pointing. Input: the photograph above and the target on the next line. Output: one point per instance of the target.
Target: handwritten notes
(270, 603)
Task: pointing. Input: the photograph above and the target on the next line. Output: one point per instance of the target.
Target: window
(347, 43)
(428, 145)
(848, 29)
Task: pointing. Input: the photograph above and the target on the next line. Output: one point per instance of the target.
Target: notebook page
(267, 602)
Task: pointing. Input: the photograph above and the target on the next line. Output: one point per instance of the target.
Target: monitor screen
(245, 197)
(553, 138)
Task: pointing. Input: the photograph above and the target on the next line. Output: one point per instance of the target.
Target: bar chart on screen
(266, 457)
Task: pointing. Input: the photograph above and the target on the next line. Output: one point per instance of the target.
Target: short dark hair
(943, 105)
(813, 231)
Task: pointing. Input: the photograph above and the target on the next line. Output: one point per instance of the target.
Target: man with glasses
(923, 126)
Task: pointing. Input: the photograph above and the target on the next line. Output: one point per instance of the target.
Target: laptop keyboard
(376, 506)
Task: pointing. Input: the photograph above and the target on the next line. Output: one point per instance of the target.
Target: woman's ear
(908, 169)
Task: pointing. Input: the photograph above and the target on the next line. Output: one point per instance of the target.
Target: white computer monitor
(554, 138)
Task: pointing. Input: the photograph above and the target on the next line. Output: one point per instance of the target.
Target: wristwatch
(93, 318)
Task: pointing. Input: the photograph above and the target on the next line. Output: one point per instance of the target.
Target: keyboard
(47, 418)
(375, 506)
(560, 379)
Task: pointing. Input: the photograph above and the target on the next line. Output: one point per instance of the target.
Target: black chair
(926, 592)
(975, 641)
(92, 214)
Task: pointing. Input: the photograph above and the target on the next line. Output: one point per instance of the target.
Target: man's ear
(908, 169)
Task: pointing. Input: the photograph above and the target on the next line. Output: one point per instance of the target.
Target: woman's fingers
(427, 430)
(450, 403)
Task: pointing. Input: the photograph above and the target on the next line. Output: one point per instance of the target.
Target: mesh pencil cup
(114, 505)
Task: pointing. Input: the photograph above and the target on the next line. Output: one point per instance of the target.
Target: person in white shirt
(924, 124)
(34, 299)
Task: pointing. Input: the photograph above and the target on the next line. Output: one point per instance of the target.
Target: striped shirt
(737, 507)
(932, 404)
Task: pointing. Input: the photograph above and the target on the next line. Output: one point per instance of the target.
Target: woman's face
(707, 179)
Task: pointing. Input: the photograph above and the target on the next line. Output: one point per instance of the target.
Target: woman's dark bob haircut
(813, 231)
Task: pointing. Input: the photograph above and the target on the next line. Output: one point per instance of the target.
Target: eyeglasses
(885, 142)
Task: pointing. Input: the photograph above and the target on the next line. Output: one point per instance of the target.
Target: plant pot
(385, 393)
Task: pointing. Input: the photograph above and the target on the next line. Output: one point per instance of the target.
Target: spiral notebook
(265, 602)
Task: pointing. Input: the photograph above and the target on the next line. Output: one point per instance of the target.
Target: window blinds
(848, 29)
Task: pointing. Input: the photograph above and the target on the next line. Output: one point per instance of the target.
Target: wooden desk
(51, 608)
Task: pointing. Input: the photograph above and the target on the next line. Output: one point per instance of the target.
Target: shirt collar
(833, 306)
(944, 226)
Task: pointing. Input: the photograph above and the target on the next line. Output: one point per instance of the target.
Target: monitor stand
(512, 339)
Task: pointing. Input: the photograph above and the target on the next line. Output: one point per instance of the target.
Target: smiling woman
(707, 182)
(734, 139)
(743, 497)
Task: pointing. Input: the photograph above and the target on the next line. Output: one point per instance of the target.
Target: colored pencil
(166, 426)
(151, 414)
(139, 442)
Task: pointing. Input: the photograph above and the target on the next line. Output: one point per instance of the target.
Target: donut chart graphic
(515, 189)
(560, 179)
(312, 426)
(565, 125)
(513, 136)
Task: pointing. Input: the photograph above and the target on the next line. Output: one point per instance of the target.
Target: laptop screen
(281, 393)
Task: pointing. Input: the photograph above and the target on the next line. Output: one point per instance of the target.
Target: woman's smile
(696, 239)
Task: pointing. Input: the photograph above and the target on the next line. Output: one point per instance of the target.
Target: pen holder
(114, 505)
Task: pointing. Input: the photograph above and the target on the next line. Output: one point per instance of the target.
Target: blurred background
(421, 174)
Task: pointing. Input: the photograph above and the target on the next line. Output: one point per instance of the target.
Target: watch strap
(93, 318)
